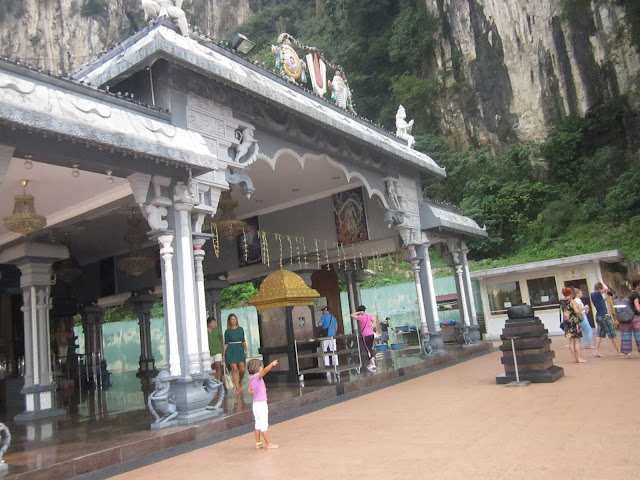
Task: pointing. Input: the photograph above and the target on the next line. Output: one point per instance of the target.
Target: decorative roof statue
(317, 71)
(288, 63)
(403, 128)
(155, 9)
(340, 91)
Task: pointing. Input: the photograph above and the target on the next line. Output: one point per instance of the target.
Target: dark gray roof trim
(436, 218)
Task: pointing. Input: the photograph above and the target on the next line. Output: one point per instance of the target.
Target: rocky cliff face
(513, 68)
(510, 68)
(63, 35)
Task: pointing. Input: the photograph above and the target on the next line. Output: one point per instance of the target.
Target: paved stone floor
(454, 423)
(110, 427)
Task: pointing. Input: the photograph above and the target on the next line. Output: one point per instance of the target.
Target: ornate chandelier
(24, 219)
(229, 227)
(136, 262)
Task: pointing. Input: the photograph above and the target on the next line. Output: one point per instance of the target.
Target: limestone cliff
(514, 67)
(63, 35)
(510, 68)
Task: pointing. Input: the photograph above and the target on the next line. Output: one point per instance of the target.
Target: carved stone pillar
(424, 329)
(185, 288)
(451, 254)
(34, 261)
(170, 320)
(429, 299)
(474, 329)
(143, 302)
(198, 257)
(188, 380)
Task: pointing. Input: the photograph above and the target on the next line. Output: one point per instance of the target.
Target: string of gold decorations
(298, 250)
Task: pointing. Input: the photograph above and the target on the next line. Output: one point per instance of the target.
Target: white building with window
(539, 284)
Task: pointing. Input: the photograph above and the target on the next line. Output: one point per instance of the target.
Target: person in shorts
(258, 389)
(214, 333)
(603, 319)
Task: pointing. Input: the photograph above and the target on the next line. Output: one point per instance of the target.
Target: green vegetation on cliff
(579, 192)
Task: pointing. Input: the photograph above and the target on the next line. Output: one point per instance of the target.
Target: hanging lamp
(229, 227)
(24, 219)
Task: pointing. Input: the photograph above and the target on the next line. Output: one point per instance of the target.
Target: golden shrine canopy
(283, 289)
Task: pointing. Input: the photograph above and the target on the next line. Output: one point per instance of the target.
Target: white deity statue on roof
(154, 9)
(340, 91)
(403, 128)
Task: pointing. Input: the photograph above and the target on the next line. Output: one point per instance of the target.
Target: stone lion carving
(246, 141)
(155, 9)
(161, 403)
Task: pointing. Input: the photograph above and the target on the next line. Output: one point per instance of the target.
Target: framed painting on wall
(253, 252)
(350, 215)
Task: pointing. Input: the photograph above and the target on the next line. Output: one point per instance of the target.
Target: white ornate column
(191, 383)
(460, 282)
(34, 261)
(474, 329)
(198, 256)
(415, 267)
(185, 286)
(171, 324)
(429, 298)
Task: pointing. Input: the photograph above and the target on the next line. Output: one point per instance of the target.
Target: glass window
(503, 296)
(542, 291)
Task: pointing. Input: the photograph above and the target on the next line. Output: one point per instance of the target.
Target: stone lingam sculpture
(532, 348)
(162, 404)
(403, 128)
(155, 9)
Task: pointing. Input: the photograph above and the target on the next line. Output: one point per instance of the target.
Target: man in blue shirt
(329, 323)
(603, 319)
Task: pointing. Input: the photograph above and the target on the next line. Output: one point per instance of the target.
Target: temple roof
(609, 256)
(440, 219)
(202, 55)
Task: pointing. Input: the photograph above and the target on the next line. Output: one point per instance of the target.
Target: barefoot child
(260, 408)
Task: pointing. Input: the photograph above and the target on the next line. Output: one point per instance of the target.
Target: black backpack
(622, 307)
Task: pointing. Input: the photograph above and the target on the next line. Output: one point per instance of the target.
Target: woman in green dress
(235, 350)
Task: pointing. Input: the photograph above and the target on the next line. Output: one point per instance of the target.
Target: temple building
(172, 167)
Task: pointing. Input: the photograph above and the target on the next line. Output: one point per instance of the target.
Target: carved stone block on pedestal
(532, 347)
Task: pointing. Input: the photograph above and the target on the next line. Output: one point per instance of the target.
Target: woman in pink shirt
(365, 324)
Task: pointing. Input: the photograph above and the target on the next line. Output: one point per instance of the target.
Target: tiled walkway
(111, 427)
(454, 423)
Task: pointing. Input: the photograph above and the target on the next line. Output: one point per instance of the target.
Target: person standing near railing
(328, 327)
(365, 324)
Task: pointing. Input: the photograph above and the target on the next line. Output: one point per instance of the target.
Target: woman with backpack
(632, 302)
(570, 314)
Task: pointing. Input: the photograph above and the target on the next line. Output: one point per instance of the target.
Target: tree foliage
(237, 295)
(531, 197)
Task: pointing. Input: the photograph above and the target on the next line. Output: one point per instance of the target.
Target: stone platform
(532, 347)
